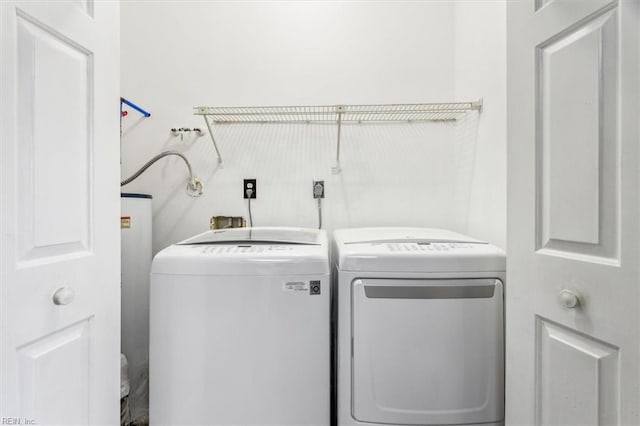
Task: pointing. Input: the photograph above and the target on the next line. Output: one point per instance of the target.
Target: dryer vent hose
(194, 186)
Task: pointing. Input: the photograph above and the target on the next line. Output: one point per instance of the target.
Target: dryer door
(427, 351)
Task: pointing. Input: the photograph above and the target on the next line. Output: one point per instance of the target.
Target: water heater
(135, 227)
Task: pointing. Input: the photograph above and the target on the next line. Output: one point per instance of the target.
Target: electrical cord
(249, 193)
(318, 192)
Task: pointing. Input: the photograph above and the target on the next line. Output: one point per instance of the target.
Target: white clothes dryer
(420, 337)
(240, 330)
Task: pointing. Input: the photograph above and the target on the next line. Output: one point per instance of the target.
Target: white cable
(318, 190)
(249, 193)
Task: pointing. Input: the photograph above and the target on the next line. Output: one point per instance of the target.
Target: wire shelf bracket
(338, 114)
(213, 139)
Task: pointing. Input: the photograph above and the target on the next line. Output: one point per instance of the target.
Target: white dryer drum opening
(427, 351)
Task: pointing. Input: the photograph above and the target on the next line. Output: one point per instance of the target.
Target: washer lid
(259, 235)
(247, 251)
(414, 250)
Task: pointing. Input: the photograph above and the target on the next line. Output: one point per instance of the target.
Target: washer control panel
(428, 247)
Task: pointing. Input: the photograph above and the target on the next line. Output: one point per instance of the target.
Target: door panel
(50, 137)
(573, 213)
(427, 351)
(59, 216)
(576, 377)
(577, 145)
(62, 358)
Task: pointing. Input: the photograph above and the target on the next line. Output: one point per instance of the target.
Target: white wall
(480, 71)
(177, 55)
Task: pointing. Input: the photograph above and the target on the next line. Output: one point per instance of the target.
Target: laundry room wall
(481, 72)
(180, 54)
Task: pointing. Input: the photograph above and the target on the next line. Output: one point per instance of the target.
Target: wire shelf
(343, 113)
(338, 114)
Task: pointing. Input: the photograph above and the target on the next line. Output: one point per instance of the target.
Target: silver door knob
(63, 296)
(569, 298)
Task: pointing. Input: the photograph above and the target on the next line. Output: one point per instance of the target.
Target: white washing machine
(240, 329)
(420, 336)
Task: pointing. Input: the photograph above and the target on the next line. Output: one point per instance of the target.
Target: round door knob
(63, 296)
(569, 298)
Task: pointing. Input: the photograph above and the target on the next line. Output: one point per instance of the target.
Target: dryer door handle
(430, 292)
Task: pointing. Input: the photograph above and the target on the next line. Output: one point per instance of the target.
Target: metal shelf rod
(215, 145)
(337, 168)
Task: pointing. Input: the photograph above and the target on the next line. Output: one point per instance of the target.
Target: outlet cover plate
(321, 183)
(249, 184)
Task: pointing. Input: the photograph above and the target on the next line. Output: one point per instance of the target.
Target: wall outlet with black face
(249, 189)
(318, 189)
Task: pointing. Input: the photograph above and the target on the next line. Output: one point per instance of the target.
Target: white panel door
(572, 302)
(60, 238)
